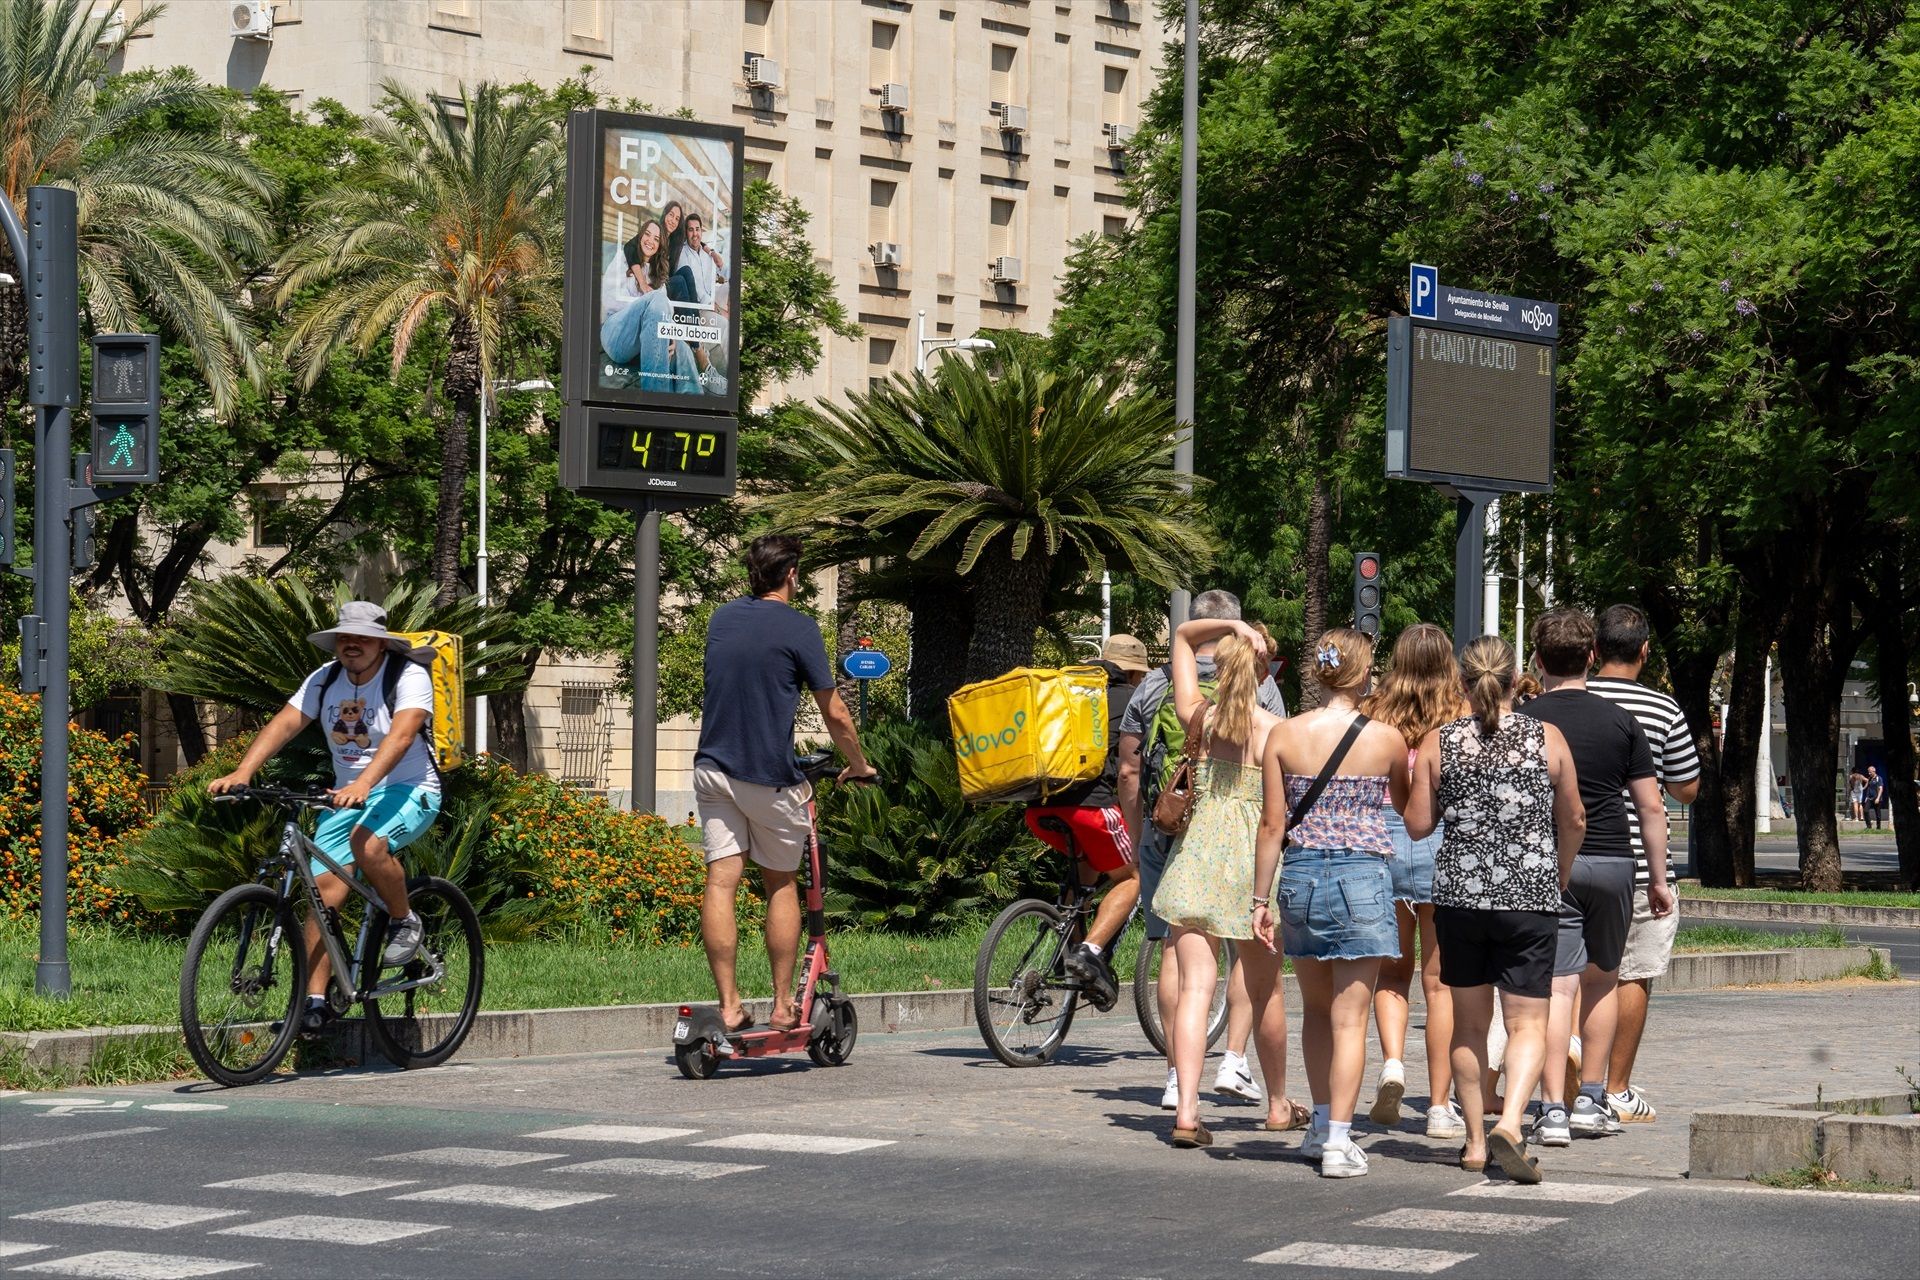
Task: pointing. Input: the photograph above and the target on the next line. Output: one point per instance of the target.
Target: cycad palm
(168, 220)
(1014, 478)
(458, 218)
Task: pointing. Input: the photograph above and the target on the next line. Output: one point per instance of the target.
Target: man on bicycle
(1091, 811)
(372, 703)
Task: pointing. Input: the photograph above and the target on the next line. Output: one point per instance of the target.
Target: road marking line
(185, 1106)
(330, 1229)
(82, 1137)
(312, 1184)
(1745, 1189)
(1571, 1192)
(504, 1197)
(479, 1157)
(1479, 1224)
(117, 1264)
(1362, 1257)
(130, 1213)
(13, 1249)
(57, 1101)
(612, 1133)
(693, 1170)
(812, 1144)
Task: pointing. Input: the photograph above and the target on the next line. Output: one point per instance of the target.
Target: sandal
(1298, 1117)
(1198, 1136)
(1472, 1166)
(1512, 1158)
(775, 1022)
(745, 1023)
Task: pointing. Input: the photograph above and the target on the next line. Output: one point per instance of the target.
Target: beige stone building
(949, 150)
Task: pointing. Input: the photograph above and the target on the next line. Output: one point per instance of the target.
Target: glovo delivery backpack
(439, 652)
(1030, 734)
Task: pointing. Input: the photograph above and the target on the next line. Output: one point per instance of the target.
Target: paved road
(1859, 853)
(918, 1158)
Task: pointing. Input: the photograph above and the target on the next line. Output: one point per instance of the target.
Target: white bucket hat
(359, 618)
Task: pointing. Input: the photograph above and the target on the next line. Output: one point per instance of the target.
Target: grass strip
(1853, 898)
(1731, 937)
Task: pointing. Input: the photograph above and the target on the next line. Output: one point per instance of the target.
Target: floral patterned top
(1348, 816)
(1496, 799)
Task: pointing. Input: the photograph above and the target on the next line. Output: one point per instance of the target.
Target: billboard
(653, 262)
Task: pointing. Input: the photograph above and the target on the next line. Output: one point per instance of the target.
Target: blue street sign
(1423, 290)
(867, 664)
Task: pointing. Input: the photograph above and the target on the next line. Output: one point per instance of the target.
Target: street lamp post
(480, 558)
(925, 346)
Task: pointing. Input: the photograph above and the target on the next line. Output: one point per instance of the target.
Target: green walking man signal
(126, 408)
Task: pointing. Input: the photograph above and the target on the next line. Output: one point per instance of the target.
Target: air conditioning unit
(250, 20)
(1004, 270)
(885, 254)
(1012, 119)
(893, 97)
(763, 73)
(116, 26)
(1118, 135)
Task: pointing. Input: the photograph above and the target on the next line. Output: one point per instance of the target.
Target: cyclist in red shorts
(1092, 812)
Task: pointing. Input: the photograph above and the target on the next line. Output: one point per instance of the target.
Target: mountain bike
(243, 987)
(1023, 998)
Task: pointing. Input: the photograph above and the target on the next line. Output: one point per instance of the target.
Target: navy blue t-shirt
(762, 656)
(1609, 749)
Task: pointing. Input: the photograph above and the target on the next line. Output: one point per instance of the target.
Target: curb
(531, 1033)
(1800, 913)
(1859, 1139)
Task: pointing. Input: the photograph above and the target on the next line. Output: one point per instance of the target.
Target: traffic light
(126, 408)
(1366, 592)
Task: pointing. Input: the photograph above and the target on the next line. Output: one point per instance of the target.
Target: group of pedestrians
(1525, 851)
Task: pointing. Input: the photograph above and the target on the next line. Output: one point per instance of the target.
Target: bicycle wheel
(423, 1026)
(1146, 978)
(242, 985)
(1020, 1001)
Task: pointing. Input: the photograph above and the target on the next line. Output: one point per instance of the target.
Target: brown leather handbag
(1173, 807)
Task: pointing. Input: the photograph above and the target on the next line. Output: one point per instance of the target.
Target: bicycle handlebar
(278, 795)
(819, 766)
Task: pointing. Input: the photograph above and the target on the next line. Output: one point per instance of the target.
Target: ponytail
(1488, 668)
(1237, 692)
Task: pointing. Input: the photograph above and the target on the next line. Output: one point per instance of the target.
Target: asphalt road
(919, 1158)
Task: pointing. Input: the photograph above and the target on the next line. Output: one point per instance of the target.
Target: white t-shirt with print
(356, 720)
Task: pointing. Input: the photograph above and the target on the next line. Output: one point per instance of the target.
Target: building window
(1114, 103)
(759, 171)
(1003, 83)
(270, 520)
(760, 13)
(882, 197)
(762, 33)
(880, 356)
(1113, 228)
(455, 15)
(881, 66)
(589, 28)
(1000, 228)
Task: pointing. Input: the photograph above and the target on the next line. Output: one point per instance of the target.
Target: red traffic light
(1367, 567)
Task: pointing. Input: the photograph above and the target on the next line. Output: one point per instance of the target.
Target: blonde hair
(1488, 666)
(1237, 672)
(1342, 659)
(1421, 690)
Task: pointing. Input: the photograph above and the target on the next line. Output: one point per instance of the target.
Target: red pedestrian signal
(1366, 592)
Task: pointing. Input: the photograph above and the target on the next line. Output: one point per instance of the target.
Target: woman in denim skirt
(1419, 693)
(1336, 890)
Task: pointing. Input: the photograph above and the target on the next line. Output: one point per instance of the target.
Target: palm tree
(1006, 483)
(457, 219)
(169, 220)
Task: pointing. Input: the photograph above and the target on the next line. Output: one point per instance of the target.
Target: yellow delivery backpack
(1030, 734)
(440, 653)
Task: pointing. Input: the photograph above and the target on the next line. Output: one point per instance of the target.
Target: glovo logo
(981, 743)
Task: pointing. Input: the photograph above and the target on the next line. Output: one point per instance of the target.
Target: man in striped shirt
(1621, 649)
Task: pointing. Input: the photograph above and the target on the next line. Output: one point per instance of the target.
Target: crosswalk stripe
(1571, 1192)
(611, 1133)
(13, 1249)
(118, 1264)
(480, 1157)
(692, 1170)
(331, 1229)
(504, 1197)
(1479, 1224)
(1362, 1257)
(810, 1144)
(310, 1184)
(130, 1213)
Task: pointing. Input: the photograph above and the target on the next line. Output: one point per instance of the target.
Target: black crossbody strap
(1307, 801)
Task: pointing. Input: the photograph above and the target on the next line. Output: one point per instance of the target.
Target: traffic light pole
(1469, 564)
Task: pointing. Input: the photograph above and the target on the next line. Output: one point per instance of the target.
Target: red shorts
(1099, 834)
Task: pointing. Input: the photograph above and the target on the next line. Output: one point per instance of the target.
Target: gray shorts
(1595, 912)
(1152, 855)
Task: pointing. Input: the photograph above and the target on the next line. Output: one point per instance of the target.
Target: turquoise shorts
(397, 814)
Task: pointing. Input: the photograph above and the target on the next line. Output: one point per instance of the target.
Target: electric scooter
(827, 1027)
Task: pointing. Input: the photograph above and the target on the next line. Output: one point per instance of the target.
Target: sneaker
(1631, 1108)
(1314, 1145)
(1590, 1119)
(313, 1019)
(1445, 1122)
(1236, 1081)
(1553, 1129)
(403, 941)
(1170, 1100)
(1343, 1161)
(1093, 972)
(1393, 1087)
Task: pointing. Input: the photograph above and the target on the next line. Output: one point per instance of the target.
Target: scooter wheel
(835, 1045)
(697, 1061)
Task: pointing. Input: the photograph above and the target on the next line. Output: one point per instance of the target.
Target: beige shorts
(1649, 941)
(770, 825)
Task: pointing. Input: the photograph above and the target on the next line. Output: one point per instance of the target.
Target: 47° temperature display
(663, 451)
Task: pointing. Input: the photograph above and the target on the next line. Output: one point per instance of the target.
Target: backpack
(1166, 739)
(440, 653)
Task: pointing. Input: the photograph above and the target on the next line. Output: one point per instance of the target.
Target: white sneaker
(1343, 1161)
(1393, 1087)
(1236, 1081)
(1170, 1100)
(1552, 1128)
(1314, 1145)
(1445, 1122)
(1590, 1119)
(1632, 1108)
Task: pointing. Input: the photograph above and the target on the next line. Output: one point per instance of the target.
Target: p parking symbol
(1423, 291)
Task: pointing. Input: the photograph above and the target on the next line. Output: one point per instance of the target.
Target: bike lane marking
(81, 1137)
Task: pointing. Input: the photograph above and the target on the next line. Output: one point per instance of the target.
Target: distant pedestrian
(1873, 794)
(1336, 892)
(1419, 693)
(1611, 756)
(1622, 644)
(1514, 822)
(1856, 794)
